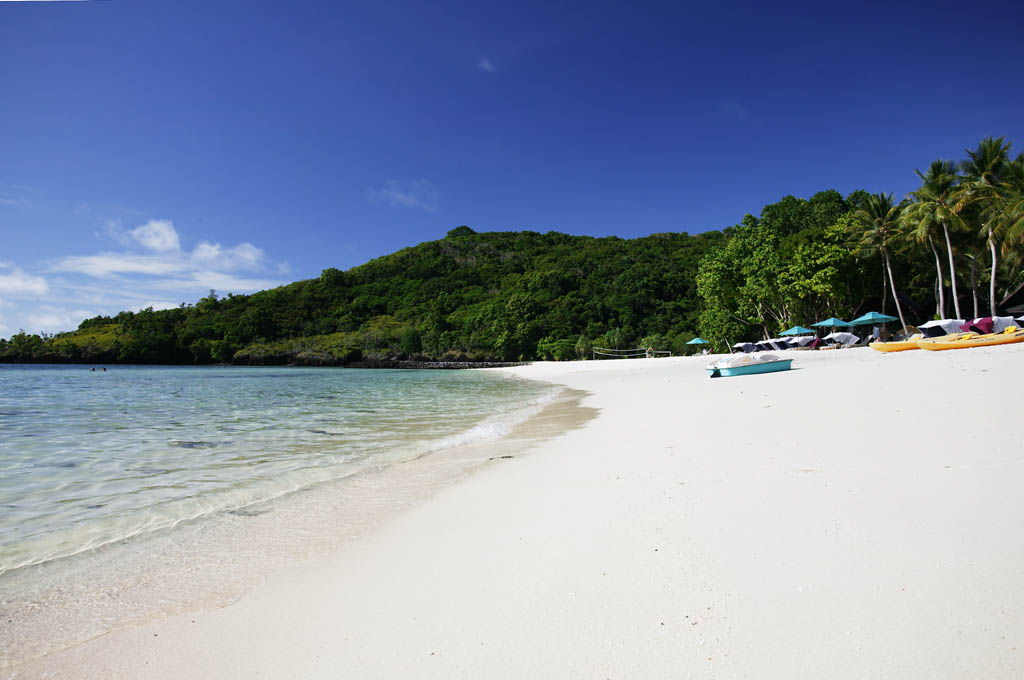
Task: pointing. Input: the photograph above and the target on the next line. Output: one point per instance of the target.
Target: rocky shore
(455, 365)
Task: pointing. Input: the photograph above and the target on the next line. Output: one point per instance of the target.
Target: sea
(108, 477)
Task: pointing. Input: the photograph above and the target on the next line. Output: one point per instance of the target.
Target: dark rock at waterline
(397, 363)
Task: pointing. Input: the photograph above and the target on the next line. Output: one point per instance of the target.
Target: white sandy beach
(857, 517)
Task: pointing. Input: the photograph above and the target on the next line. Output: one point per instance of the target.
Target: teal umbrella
(831, 322)
(798, 330)
(872, 318)
(698, 341)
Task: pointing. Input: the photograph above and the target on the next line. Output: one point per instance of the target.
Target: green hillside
(498, 295)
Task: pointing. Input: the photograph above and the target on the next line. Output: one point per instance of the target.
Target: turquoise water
(90, 458)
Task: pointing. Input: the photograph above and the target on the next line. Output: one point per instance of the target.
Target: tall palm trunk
(885, 285)
(952, 272)
(938, 272)
(892, 284)
(992, 279)
(974, 283)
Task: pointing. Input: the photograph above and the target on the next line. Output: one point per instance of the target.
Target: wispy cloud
(11, 186)
(14, 195)
(144, 266)
(221, 281)
(156, 305)
(51, 319)
(486, 65)
(420, 194)
(165, 265)
(105, 265)
(244, 256)
(165, 255)
(15, 280)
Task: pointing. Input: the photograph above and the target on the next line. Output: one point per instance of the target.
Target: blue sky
(151, 151)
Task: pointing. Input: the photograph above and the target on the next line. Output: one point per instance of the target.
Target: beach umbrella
(831, 322)
(698, 341)
(872, 318)
(798, 330)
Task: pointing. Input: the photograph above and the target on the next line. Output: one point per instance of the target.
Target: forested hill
(501, 295)
(954, 248)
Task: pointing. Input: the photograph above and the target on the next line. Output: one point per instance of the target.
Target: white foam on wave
(495, 426)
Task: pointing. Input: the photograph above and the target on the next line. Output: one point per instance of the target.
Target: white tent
(1001, 323)
(843, 338)
(802, 340)
(943, 326)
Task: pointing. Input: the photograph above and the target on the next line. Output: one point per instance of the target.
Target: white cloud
(486, 65)
(148, 267)
(158, 235)
(16, 281)
(112, 229)
(51, 320)
(204, 280)
(243, 256)
(157, 305)
(419, 193)
(105, 265)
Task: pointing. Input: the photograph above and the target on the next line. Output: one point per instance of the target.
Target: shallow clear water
(89, 458)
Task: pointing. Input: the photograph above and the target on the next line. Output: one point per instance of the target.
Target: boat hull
(752, 369)
(971, 340)
(900, 346)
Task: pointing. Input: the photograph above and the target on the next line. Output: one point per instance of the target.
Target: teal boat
(747, 364)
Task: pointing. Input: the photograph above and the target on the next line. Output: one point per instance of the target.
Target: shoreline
(851, 518)
(212, 561)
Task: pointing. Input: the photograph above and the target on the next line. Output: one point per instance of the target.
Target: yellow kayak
(1010, 335)
(898, 345)
(912, 342)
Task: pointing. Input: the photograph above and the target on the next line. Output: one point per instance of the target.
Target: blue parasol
(872, 318)
(831, 322)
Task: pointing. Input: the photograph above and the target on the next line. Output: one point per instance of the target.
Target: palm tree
(934, 205)
(879, 218)
(1012, 215)
(983, 185)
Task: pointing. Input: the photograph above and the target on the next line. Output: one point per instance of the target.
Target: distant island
(954, 247)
